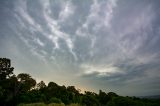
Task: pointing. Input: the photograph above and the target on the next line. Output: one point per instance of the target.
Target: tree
(5, 68)
(26, 82)
(1, 93)
(41, 85)
(7, 82)
(89, 99)
(103, 97)
(111, 95)
(72, 89)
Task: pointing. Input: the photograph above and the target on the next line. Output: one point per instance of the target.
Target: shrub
(56, 104)
(73, 104)
(55, 100)
(33, 104)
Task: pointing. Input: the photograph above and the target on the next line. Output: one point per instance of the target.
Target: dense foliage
(24, 89)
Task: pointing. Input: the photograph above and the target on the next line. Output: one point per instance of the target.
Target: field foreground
(51, 104)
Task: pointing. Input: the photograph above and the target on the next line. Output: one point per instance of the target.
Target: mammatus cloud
(68, 9)
(130, 40)
(100, 16)
(54, 33)
(110, 43)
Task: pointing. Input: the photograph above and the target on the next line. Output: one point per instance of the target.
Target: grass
(51, 104)
(33, 104)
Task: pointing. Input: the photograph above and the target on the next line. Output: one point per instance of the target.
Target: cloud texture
(111, 45)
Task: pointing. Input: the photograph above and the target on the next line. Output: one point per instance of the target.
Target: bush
(33, 104)
(55, 100)
(73, 104)
(56, 104)
(51, 104)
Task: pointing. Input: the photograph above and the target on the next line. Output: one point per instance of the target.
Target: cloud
(102, 71)
(21, 10)
(100, 16)
(38, 41)
(67, 10)
(52, 24)
(23, 17)
(126, 44)
(108, 43)
(54, 27)
(132, 38)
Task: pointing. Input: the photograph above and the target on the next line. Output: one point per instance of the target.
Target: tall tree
(41, 85)
(5, 68)
(7, 82)
(103, 97)
(26, 82)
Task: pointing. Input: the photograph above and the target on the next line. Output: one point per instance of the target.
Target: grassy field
(52, 104)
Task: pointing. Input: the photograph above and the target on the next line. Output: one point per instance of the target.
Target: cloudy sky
(113, 45)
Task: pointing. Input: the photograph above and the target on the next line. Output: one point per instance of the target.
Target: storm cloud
(113, 45)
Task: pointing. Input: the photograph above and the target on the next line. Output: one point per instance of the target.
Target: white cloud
(21, 9)
(109, 12)
(33, 49)
(23, 17)
(54, 39)
(52, 24)
(101, 70)
(54, 27)
(39, 42)
(132, 37)
(100, 16)
(67, 10)
(22, 24)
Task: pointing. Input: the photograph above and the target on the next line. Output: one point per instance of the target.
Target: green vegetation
(22, 90)
(52, 104)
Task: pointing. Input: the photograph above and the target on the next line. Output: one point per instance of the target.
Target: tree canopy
(24, 89)
(5, 68)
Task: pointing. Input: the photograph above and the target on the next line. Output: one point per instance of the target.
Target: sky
(112, 45)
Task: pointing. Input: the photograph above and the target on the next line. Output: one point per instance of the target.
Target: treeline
(24, 89)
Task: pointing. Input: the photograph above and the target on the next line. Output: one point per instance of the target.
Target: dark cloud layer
(109, 44)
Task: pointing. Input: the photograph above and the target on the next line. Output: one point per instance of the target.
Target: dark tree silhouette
(26, 82)
(5, 68)
(41, 85)
(6, 81)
